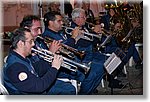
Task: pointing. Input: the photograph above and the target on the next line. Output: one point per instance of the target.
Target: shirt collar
(19, 56)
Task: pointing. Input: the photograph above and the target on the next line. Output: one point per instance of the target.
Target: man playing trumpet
(20, 75)
(33, 23)
(53, 26)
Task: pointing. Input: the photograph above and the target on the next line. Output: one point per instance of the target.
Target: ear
(50, 22)
(20, 44)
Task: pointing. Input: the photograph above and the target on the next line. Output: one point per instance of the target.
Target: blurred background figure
(68, 9)
(54, 6)
(88, 11)
(67, 13)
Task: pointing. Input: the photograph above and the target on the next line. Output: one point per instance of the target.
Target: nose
(39, 31)
(33, 43)
(62, 22)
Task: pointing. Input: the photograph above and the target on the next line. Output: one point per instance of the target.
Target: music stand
(113, 62)
(110, 65)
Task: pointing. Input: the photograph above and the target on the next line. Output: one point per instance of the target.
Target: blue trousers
(62, 88)
(93, 78)
(132, 51)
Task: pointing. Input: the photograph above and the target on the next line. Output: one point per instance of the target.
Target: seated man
(19, 75)
(97, 59)
(33, 23)
(53, 24)
(126, 48)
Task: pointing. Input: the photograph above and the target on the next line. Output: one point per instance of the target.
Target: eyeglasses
(36, 29)
(30, 41)
(82, 17)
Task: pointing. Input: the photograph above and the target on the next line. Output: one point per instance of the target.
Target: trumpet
(67, 50)
(87, 36)
(67, 63)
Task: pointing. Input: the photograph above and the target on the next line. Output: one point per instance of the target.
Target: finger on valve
(57, 61)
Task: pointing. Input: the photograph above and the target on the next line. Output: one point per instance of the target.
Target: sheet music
(112, 63)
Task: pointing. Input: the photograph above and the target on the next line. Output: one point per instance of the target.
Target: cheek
(58, 26)
(35, 34)
(28, 48)
(82, 22)
(79, 22)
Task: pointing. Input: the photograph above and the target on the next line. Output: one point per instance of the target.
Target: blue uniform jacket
(93, 78)
(32, 83)
(106, 20)
(84, 45)
(110, 46)
(63, 73)
(59, 36)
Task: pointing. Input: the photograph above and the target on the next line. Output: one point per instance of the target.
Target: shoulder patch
(22, 76)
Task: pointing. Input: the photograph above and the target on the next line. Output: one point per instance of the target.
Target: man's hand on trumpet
(55, 46)
(76, 34)
(57, 61)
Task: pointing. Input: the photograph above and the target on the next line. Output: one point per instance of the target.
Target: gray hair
(76, 12)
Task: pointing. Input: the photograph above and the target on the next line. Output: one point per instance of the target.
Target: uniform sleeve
(25, 81)
(112, 46)
(70, 42)
(41, 67)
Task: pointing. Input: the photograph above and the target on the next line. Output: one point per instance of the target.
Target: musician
(98, 59)
(53, 29)
(68, 9)
(19, 74)
(115, 13)
(33, 23)
(78, 20)
(54, 6)
(89, 13)
(116, 44)
(131, 50)
(53, 24)
(108, 18)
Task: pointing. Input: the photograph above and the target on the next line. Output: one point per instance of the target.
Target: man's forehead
(36, 22)
(28, 35)
(82, 14)
(58, 17)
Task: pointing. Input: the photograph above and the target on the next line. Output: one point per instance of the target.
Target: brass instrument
(124, 41)
(106, 41)
(67, 63)
(106, 32)
(137, 11)
(67, 50)
(127, 36)
(90, 25)
(86, 35)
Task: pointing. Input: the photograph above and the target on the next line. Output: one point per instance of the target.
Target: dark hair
(17, 35)
(27, 20)
(117, 20)
(68, 8)
(50, 16)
